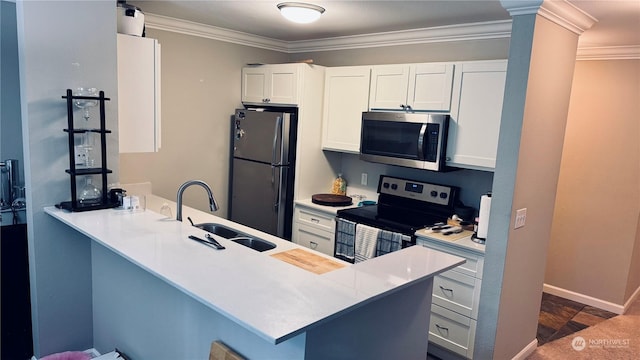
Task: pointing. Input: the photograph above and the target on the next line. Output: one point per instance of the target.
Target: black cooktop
(405, 205)
(406, 221)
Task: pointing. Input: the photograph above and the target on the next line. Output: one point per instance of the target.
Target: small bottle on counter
(339, 186)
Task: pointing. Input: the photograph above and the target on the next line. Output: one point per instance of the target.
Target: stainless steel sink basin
(254, 243)
(236, 236)
(218, 229)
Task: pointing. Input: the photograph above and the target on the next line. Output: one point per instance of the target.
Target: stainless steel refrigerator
(262, 169)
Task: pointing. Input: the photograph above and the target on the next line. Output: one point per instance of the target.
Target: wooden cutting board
(308, 261)
(331, 200)
(451, 237)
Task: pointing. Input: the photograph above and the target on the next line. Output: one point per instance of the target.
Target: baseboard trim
(633, 298)
(527, 350)
(585, 299)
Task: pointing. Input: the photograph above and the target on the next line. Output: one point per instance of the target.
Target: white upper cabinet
(276, 84)
(475, 114)
(138, 94)
(346, 96)
(411, 87)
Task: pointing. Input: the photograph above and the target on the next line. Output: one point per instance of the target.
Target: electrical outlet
(521, 217)
(363, 179)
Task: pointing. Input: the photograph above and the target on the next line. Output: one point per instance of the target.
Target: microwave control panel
(417, 190)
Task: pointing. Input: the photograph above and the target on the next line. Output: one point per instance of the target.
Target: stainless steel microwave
(416, 140)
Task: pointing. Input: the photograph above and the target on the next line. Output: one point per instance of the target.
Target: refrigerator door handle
(276, 132)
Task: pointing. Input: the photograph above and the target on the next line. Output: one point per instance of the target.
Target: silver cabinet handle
(408, 108)
(313, 244)
(402, 106)
(314, 220)
(445, 289)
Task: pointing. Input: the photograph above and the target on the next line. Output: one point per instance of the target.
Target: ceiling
(618, 21)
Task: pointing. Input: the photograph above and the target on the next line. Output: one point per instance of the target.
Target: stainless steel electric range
(404, 206)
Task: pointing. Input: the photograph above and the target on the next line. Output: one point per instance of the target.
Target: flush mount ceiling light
(300, 12)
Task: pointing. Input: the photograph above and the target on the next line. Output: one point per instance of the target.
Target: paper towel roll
(483, 216)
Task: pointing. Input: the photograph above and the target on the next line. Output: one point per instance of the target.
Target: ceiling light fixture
(300, 12)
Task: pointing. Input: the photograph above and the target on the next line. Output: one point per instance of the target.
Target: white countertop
(463, 243)
(333, 210)
(272, 298)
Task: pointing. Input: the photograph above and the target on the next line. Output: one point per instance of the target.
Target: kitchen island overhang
(272, 299)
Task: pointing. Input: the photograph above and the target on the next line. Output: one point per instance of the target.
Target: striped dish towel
(389, 242)
(345, 239)
(366, 239)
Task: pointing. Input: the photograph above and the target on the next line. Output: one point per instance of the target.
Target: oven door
(355, 241)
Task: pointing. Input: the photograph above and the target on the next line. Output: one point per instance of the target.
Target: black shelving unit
(73, 171)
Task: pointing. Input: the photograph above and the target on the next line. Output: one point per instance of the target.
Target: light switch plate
(521, 217)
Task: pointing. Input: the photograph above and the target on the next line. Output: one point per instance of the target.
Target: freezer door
(255, 197)
(261, 136)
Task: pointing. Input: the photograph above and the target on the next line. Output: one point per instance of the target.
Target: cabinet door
(430, 87)
(476, 112)
(138, 94)
(254, 84)
(389, 84)
(346, 96)
(452, 331)
(282, 84)
(313, 238)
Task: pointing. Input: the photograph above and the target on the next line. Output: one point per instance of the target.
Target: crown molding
(185, 27)
(609, 53)
(475, 31)
(465, 32)
(562, 13)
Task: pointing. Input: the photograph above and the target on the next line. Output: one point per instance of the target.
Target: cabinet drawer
(452, 331)
(318, 220)
(473, 266)
(313, 238)
(458, 292)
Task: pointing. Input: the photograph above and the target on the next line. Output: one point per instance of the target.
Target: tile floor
(560, 317)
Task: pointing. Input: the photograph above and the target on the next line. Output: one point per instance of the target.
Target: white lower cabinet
(455, 302)
(314, 229)
(452, 331)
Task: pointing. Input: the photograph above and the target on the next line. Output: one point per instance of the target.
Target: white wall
(200, 92)
(62, 44)
(598, 204)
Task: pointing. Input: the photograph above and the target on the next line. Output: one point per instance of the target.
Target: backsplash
(472, 183)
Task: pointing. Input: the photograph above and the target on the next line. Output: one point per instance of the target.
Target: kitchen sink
(236, 236)
(254, 243)
(219, 230)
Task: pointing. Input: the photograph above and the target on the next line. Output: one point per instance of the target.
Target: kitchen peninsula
(158, 294)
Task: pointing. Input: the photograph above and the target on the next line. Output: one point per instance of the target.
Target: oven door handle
(421, 144)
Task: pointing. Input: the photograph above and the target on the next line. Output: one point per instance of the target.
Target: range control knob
(434, 193)
(385, 185)
(394, 186)
(443, 195)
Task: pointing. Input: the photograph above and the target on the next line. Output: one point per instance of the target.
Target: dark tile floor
(560, 317)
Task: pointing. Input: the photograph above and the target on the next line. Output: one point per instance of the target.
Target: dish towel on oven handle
(366, 240)
(345, 239)
(390, 241)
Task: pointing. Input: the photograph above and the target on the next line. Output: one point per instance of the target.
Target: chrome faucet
(212, 201)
